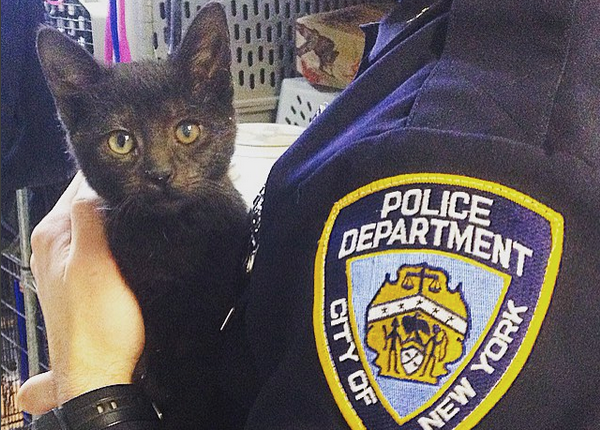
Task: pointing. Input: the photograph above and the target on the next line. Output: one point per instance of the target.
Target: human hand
(93, 322)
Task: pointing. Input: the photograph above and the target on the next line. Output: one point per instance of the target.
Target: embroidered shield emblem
(416, 324)
(429, 294)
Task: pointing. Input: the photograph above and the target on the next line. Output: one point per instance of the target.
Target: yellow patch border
(557, 231)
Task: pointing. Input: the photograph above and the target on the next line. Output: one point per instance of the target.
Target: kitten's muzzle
(159, 177)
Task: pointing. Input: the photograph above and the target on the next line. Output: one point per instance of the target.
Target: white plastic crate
(299, 101)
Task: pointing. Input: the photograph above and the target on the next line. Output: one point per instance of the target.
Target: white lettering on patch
(357, 381)
(498, 345)
(413, 218)
(359, 384)
(449, 406)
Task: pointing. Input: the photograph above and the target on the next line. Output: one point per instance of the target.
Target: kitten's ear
(68, 67)
(205, 49)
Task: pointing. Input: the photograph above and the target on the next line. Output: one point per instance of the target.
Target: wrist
(77, 375)
(100, 408)
(68, 390)
(77, 384)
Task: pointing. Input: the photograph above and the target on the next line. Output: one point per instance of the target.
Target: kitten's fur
(175, 223)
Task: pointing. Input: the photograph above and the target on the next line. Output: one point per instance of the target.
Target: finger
(37, 395)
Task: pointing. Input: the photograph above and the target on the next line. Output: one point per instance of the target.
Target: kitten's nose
(158, 177)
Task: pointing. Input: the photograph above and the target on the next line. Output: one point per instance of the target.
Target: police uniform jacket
(496, 102)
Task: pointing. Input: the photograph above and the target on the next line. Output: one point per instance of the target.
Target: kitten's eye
(121, 142)
(187, 132)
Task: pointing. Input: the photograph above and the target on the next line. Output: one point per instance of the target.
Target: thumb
(37, 395)
(87, 223)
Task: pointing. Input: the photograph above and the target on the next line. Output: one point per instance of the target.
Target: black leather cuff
(100, 409)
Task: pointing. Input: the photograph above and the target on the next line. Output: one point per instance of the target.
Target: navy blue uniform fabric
(504, 91)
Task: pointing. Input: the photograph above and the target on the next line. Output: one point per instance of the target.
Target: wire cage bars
(24, 351)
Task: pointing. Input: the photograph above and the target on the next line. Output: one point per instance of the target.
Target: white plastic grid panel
(262, 39)
(299, 101)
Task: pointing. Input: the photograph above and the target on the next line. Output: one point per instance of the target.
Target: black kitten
(155, 141)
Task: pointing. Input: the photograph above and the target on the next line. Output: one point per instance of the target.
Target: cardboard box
(329, 46)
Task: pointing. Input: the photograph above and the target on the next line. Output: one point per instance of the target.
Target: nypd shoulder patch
(430, 290)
